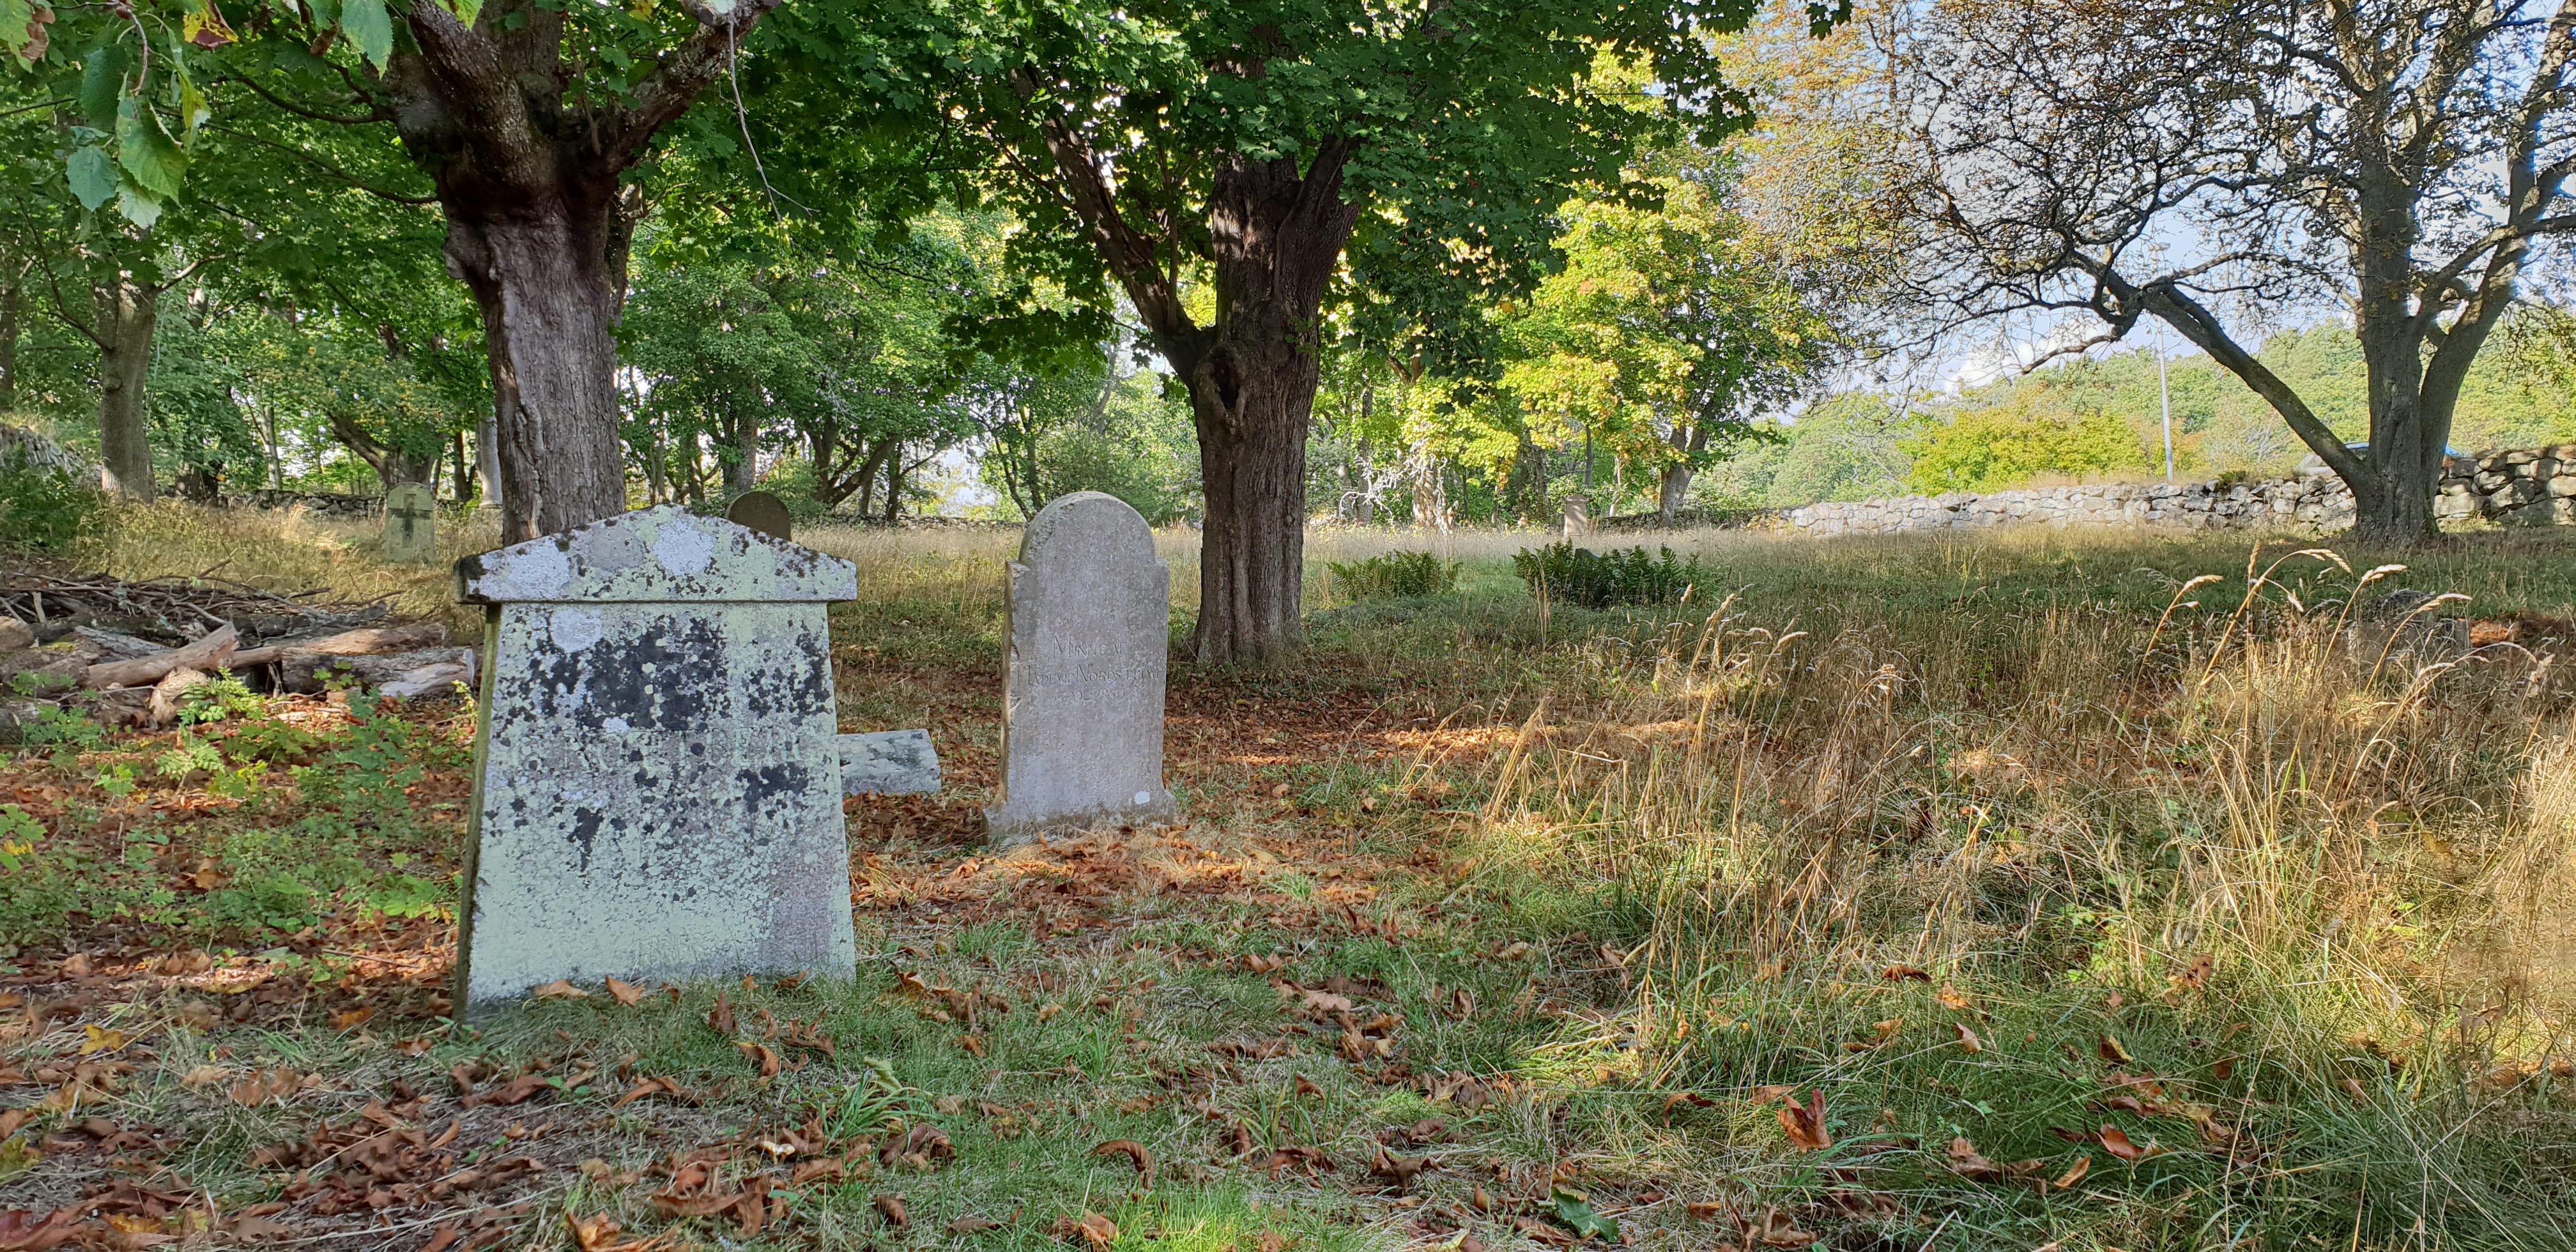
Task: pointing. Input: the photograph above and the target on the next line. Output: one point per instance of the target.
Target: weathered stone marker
(889, 763)
(762, 512)
(1082, 704)
(411, 522)
(658, 787)
(1578, 517)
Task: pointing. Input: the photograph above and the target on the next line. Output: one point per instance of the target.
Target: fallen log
(372, 640)
(427, 671)
(212, 652)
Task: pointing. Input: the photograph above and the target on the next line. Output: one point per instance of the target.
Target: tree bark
(1277, 233)
(10, 294)
(743, 470)
(528, 172)
(127, 312)
(487, 463)
(1677, 476)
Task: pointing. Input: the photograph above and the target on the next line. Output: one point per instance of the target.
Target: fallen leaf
(1135, 1153)
(2196, 975)
(1483, 1203)
(1097, 1231)
(77, 965)
(100, 1039)
(2075, 1173)
(761, 1055)
(1899, 973)
(559, 989)
(593, 1234)
(1806, 1124)
(1691, 1098)
(972, 1224)
(1399, 1170)
(2116, 1142)
(1968, 1040)
(204, 1075)
(720, 1018)
(1705, 1210)
(352, 1018)
(2112, 1051)
(1575, 1210)
(627, 994)
(1326, 1002)
(890, 1207)
(974, 1044)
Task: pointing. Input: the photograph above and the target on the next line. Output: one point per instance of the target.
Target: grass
(2006, 851)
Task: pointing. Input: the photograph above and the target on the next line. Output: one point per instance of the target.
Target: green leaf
(1573, 1209)
(465, 10)
(22, 31)
(93, 176)
(147, 152)
(138, 205)
(193, 110)
(370, 28)
(102, 83)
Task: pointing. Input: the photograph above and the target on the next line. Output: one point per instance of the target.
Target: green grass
(1622, 874)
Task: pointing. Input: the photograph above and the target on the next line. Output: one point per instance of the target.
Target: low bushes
(1598, 580)
(1396, 574)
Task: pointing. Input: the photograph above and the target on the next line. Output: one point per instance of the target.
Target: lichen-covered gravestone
(658, 787)
(1082, 705)
(411, 523)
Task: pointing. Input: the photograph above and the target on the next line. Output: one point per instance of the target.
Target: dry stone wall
(2526, 487)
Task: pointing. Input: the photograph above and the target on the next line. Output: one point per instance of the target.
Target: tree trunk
(1677, 476)
(894, 483)
(549, 274)
(9, 303)
(1252, 399)
(126, 314)
(464, 487)
(1277, 233)
(743, 471)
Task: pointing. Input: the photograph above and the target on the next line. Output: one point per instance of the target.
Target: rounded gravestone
(1082, 711)
(760, 511)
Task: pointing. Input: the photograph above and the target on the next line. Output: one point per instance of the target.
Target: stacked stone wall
(2525, 487)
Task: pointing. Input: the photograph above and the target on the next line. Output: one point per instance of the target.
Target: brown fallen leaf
(2196, 975)
(1398, 1170)
(2075, 1173)
(2112, 1051)
(267, 1085)
(1094, 1230)
(1136, 1155)
(593, 1234)
(720, 1018)
(761, 1055)
(974, 1044)
(1951, 999)
(1691, 1098)
(2116, 1142)
(1779, 1232)
(1899, 973)
(1968, 1040)
(627, 994)
(890, 1207)
(1482, 1202)
(559, 989)
(352, 1018)
(1805, 1124)
(1705, 1210)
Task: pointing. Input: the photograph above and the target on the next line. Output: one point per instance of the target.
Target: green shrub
(41, 507)
(1396, 574)
(1597, 580)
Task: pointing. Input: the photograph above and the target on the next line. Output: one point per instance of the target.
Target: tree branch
(680, 74)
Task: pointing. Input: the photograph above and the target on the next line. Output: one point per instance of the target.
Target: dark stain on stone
(585, 833)
(686, 687)
(798, 686)
(785, 778)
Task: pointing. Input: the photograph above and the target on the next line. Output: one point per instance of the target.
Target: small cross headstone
(1578, 517)
(760, 511)
(411, 523)
(1082, 706)
(658, 790)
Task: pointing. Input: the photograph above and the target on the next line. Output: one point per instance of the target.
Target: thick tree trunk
(1252, 400)
(549, 275)
(743, 471)
(1277, 233)
(126, 315)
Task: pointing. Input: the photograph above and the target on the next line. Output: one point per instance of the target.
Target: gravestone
(1082, 706)
(1578, 517)
(658, 786)
(411, 523)
(762, 512)
(889, 763)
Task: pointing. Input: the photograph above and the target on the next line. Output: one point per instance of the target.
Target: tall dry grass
(2220, 830)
